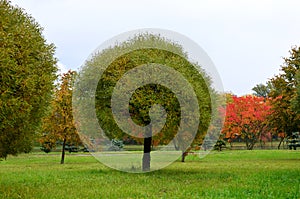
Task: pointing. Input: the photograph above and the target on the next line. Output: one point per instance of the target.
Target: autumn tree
(27, 73)
(284, 94)
(246, 118)
(59, 124)
(147, 101)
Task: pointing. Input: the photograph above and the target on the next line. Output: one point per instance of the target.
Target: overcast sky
(245, 39)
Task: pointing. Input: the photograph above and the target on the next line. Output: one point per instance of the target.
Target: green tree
(59, 124)
(27, 72)
(284, 117)
(296, 98)
(261, 90)
(146, 97)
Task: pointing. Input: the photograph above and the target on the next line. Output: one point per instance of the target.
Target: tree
(27, 73)
(59, 124)
(246, 117)
(295, 102)
(261, 90)
(147, 101)
(284, 95)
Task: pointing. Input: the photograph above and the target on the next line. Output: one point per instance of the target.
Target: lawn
(228, 174)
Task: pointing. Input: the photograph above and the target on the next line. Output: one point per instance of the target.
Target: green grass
(228, 174)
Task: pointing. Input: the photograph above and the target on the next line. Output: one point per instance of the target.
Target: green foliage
(284, 94)
(261, 90)
(219, 145)
(156, 110)
(145, 97)
(27, 73)
(47, 146)
(295, 102)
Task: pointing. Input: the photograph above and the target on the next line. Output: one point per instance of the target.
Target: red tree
(246, 118)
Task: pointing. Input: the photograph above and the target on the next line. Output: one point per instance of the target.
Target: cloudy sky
(245, 39)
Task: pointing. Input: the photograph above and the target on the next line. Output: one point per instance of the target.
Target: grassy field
(228, 174)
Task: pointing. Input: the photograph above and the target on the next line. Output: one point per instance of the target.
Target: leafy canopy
(145, 97)
(27, 72)
(285, 95)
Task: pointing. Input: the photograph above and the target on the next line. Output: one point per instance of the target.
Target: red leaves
(245, 114)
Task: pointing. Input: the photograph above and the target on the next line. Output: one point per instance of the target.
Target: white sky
(246, 39)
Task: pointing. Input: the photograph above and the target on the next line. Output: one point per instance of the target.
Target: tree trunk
(62, 161)
(250, 143)
(247, 144)
(147, 149)
(183, 155)
(175, 144)
(281, 139)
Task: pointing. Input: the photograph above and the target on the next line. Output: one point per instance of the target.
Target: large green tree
(149, 95)
(27, 72)
(284, 94)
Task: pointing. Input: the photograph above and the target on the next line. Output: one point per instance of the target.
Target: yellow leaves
(59, 124)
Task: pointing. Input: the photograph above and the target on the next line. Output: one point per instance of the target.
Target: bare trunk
(62, 161)
(147, 149)
(281, 139)
(183, 155)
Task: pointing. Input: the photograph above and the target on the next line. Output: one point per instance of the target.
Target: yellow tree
(59, 124)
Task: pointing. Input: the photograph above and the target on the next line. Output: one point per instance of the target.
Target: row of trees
(273, 109)
(33, 106)
(283, 93)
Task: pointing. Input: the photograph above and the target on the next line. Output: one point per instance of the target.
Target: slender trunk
(281, 139)
(183, 155)
(147, 149)
(175, 144)
(62, 161)
(247, 144)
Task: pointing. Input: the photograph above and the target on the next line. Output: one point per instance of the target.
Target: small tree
(246, 117)
(27, 75)
(59, 125)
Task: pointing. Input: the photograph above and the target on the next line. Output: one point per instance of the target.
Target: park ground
(226, 174)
